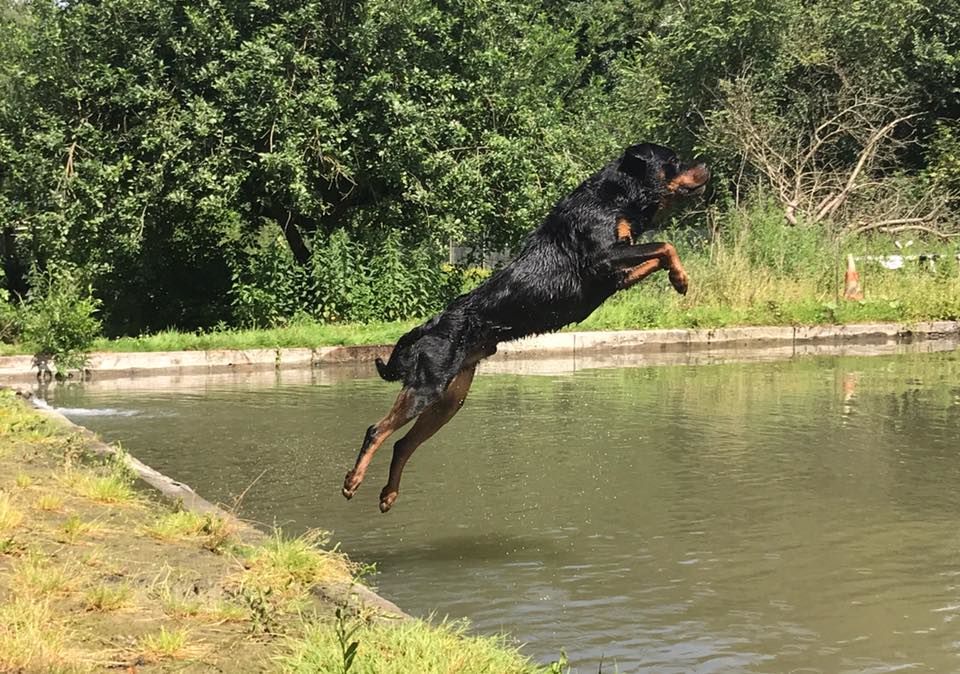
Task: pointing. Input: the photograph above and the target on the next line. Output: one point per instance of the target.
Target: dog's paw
(679, 280)
(351, 482)
(387, 499)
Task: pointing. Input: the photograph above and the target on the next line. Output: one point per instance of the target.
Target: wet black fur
(561, 276)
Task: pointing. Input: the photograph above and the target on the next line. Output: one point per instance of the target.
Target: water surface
(796, 516)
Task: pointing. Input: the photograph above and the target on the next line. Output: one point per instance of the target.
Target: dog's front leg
(638, 262)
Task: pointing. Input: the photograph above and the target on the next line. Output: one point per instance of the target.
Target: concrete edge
(111, 365)
(359, 596)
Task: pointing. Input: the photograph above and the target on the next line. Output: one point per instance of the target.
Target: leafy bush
(344, 281)
(267, 290)
(59, 318)
(339, 274)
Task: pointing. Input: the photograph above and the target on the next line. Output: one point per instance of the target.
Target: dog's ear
(637, 158)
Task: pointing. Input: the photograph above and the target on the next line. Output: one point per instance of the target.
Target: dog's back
(558, 278)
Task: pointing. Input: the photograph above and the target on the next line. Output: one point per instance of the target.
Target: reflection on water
(768, 517)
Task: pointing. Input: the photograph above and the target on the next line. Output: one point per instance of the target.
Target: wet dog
(580, 255)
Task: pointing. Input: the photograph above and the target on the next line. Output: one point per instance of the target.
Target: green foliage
(345, 633)
(345, 282)
(248, 163)
(59, 318)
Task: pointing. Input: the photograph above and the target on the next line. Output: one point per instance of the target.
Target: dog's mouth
(690, 182)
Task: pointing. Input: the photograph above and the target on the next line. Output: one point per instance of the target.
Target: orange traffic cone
(851, 282)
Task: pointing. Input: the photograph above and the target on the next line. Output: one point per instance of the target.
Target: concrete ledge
(577, 344)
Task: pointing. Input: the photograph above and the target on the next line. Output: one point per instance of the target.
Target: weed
(559, 666)
(10, 516)
(31, 638)
(414, 646)
(345, 633)
(165, 645)
(105, 597)
(49, 502)
(74, 528)
(110, 489)
(11, 546)
(214, 531)
(37, 575)
(22, 480)
(293, 565)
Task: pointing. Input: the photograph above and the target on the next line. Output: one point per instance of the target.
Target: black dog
(581, 254)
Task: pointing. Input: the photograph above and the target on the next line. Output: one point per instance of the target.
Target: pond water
(794, 516)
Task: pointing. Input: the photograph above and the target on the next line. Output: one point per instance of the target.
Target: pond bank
(557, 345)
(95, 574)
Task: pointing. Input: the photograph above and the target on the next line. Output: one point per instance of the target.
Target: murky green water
(800, 516)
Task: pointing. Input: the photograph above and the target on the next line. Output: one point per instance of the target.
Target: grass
(107, 597)
(412, 647)
(75, 528)
(301, 334)
(10, 516)
(49, 502)
(166, 645)
(37, 575)
(34, 639)
(111, 489)
(758, 272)
(215, 532)
(291, 566)
(205, 609)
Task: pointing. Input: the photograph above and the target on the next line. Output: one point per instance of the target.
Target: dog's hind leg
(408, 405)
(432, 419)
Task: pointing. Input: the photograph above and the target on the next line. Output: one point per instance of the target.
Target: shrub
(59, 318)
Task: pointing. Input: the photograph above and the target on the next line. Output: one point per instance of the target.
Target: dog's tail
(399, 363)
(386, 372)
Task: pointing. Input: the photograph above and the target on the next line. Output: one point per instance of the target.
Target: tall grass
(756, 271)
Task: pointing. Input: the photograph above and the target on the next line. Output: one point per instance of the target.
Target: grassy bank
(95, 575)
(752, 271)
(756, 272)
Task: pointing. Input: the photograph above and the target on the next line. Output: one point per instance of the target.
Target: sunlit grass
(23, 481)
(214, 532)
(49, 502)
(75, 528)
(201, 608)
(293, 565)
(302, 334)
(35, 574)
(107, 597)
(166, 644)
(414, 646)
(10, 516)
(110, 489)
(33, 639)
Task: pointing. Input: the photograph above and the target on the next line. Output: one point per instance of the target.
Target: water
(795, 516)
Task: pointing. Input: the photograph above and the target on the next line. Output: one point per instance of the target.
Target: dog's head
(660, 170)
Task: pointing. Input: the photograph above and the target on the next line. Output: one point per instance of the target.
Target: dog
(580, 255)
